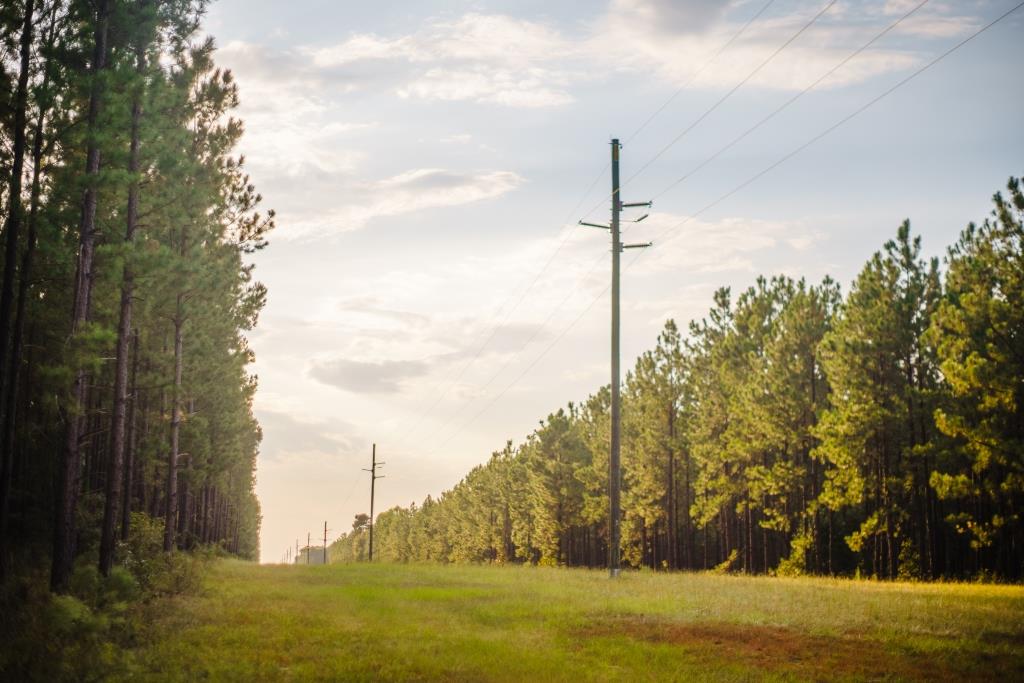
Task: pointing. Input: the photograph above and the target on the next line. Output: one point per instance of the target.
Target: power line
(722, 198)
(839, 123)
(698, 72)
(790, 101)
(729, 94)
(723, 98)
(663, 150)
(533, 282)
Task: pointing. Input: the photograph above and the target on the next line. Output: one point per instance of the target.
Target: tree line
(125, 293)
(792, 431)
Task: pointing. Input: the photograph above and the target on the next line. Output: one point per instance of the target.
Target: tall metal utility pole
(325, 541)
(614, 461)
(373, 479)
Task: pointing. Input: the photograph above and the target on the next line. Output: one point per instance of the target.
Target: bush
(88, 634)
(59, 637)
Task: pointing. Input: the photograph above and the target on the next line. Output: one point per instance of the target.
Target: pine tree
(879, 424)
(979, 332)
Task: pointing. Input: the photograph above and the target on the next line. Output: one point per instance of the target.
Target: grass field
(397, 622)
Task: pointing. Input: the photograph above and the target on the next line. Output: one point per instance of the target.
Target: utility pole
(325, 541)
(373, 479)
(614, 461)
(308, 539)
(296, 551)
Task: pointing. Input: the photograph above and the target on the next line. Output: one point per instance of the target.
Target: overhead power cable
(864, 107)
(785, 105)
(565, 238)
(696, 74)
(746, 79)
(722, 198)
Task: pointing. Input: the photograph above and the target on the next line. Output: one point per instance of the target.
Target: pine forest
(793, 430)
(803, 476)
(125, 298)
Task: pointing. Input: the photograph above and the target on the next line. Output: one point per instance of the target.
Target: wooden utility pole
(373, 479)
(325, 541)
(308, 539)
(614, 461)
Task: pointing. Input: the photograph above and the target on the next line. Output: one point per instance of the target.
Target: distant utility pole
(296, 551)
(614, 462)
(325, 541)
(308, 539)
(373, 478)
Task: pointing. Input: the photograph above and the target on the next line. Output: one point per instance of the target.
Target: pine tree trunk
(9, 381)
(672, 512)
(171, 512)
(67, 492)
(130, 460)
(12, 228)
(124, 327)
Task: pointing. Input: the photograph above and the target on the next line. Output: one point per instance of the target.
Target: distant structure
(310, 555)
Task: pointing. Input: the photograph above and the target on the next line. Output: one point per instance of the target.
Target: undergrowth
(90, 633)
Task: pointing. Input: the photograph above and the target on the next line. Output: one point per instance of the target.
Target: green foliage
(159, 115)
(978, 331)
(792, 431)
(90, 633)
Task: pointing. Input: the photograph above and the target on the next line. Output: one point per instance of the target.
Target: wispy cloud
(285, 433)
(406, 192)
(725, 245)
(365, 377)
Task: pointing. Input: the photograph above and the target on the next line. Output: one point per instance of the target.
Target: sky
(429, 290)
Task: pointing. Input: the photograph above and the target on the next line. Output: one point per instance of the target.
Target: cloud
(530, 89)
(284, 433)
(515, 62)
(406, 192)
(726, 245)
(373, 307)
(671, 15)
(493, 58)
(288, 120)
(641, 39)
(384, 377)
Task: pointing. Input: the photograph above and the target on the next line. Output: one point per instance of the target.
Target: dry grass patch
(781, 650)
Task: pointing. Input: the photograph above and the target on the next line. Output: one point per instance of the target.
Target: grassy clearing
(408, 622)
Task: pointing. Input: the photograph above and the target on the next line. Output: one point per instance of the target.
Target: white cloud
(364, 47)
(287, 119)
(640, 42)
(482, 58)
(487, 84)
(721, 246)
(499, 59)
(414, 190)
